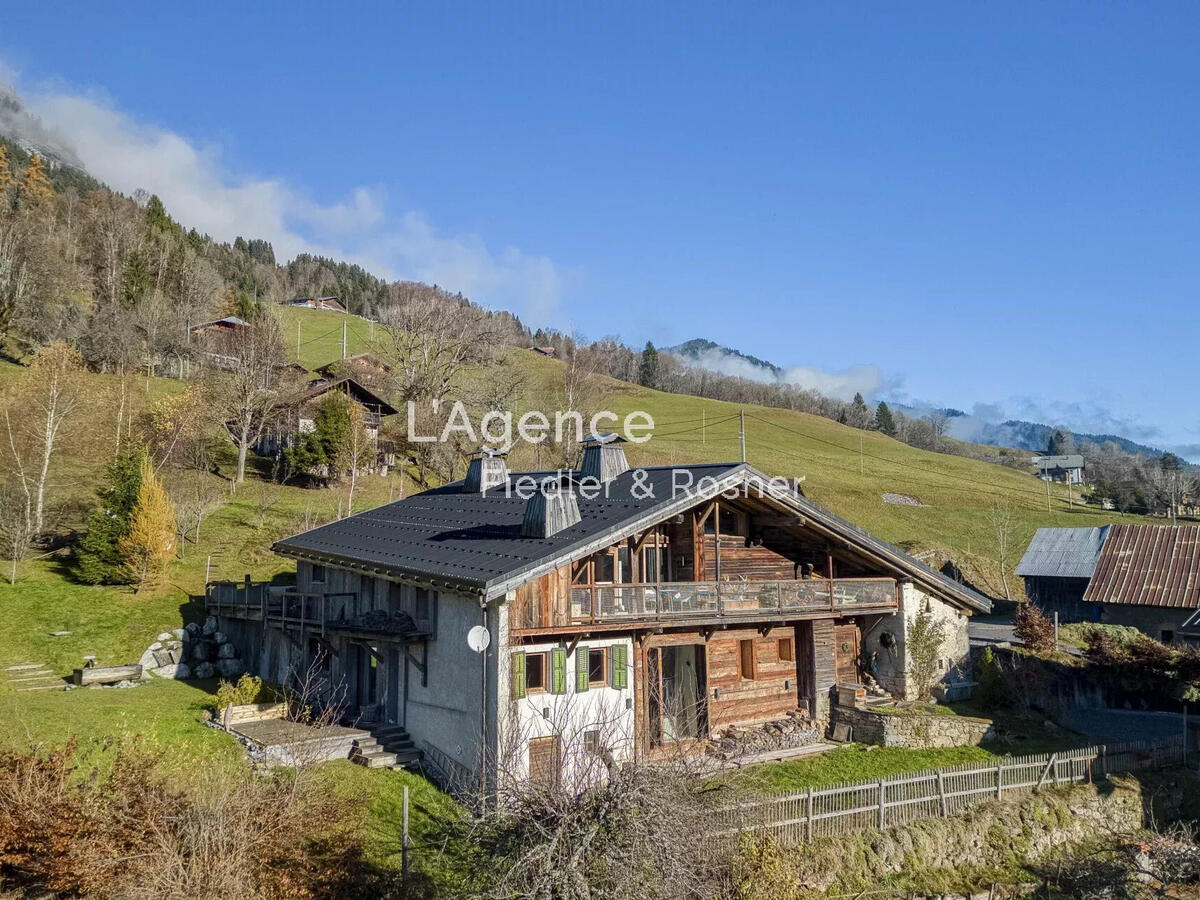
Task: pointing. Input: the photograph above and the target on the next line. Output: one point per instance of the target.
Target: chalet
(1057, 567)
(227, 325)
(544, 351)
(1067, 469)
(330, 303)
(1148, 577)
(299, 417)
(632, 610)
(365, 368)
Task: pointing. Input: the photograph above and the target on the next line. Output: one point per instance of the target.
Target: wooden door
(545, 761)
(846, 645)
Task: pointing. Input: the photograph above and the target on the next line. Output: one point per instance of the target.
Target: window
(318, 574)
(545, 761)
(535, 672)
(597, 666)
(732, 523)
(746, 660)
(421, 606)
(605, 568)
(624, 565)
(785, 650)
(591, 742)
(618, 666)
(654, 564)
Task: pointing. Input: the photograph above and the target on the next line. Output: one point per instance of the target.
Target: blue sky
(949, 203)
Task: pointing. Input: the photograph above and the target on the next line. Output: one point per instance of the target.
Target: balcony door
(677, 684)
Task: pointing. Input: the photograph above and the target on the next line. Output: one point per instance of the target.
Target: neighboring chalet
(330, 303)
(544, 351)
(365, 368)
(1067, 469)
(211, 338)
(299, 417)
(1145, 576)
(1057, 567)
(625, 611)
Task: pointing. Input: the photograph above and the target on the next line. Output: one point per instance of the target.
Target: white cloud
(843, 384)
(200, 191)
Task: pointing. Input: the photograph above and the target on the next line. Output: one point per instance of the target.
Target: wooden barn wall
(765, 697)
(823, 663)
(780, 556)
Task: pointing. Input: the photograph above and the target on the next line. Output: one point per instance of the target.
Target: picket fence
(798, 817)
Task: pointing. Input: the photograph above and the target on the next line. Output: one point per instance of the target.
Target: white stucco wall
(892, 663)
(568, 715)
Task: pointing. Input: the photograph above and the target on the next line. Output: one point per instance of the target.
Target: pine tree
(648, 370)
(150, 543)
(6, 175)
(859, 416)
(884, 420)
(35, 186)
(98, 559)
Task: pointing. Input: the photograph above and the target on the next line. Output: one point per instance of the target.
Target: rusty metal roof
(1148, 565)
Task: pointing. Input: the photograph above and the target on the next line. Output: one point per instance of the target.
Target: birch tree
(35, 420)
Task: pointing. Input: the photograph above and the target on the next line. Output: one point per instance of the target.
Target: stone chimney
(486, 470)
(603, 457)
(551, 509)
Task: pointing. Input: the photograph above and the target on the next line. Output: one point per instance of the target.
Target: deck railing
(705, 599)
(281, 605)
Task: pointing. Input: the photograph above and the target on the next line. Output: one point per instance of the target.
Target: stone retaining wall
(920, 731)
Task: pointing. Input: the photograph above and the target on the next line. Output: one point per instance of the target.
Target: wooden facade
(714, 665)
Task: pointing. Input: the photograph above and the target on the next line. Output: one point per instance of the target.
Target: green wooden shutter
(517, 674)
(558, 671)
(620, 661)
(582, 664)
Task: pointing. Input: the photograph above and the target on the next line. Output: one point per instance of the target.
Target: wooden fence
(819, 812)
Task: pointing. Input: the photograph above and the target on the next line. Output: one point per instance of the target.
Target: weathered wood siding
(772, 693)
(544, 602)
(823, 664)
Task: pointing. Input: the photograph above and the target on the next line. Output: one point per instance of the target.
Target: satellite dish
(478, 638)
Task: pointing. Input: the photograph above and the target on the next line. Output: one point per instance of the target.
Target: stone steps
(28, 677)
(392, 741)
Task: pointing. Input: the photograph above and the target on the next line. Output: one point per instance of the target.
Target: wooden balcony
(314, 613)
(723, 600)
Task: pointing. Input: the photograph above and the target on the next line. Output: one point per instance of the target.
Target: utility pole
(703, 427)
(1047, 480)
(297, 340)
(861, 465)
(742, 432)
(343, 338)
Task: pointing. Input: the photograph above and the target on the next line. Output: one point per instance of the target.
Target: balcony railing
(719, 599)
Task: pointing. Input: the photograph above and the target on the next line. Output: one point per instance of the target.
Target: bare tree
(15, 530)
(35, 416)
(248, 384)
(1003, 520)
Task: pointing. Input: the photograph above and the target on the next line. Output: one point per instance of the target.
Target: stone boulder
(202, 651)
(231, 667)
(204, 670)
(193, 629)
(178, 633)
(176, 654)
(163, 658)
(220, 637)
(148, 660)
(227, 651)
(166, 636)
(177, 672)
(210, 626)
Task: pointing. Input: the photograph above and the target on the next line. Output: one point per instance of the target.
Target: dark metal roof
(1068, 461)
(473, 540)
(353, 388)
(1148, 565)
(1063, 552)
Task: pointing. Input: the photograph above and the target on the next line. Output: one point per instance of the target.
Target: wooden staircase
(388, 747)
(32, 677)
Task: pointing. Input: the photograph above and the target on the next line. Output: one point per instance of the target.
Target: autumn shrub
(248, 689)
(125, 831)
(1033, 629)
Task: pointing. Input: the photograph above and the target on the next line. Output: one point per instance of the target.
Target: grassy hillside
(845, 469)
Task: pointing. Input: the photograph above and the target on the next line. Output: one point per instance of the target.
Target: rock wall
(921, 731)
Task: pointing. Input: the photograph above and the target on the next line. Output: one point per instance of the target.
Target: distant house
(227, 325)
(300, 418)
(544, 351)
(1057, 567)
(1148, 577)
(1067, 469)
(365, 368)
(331, 303)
